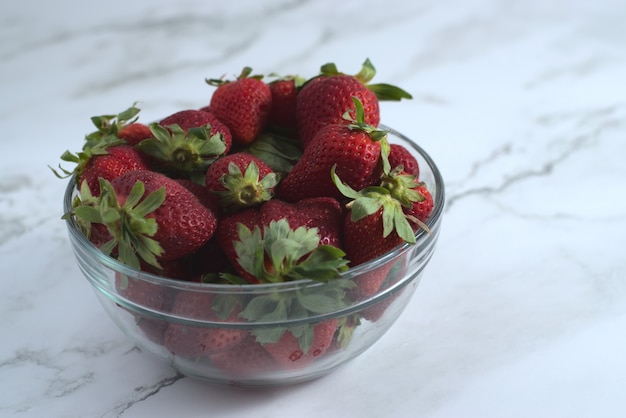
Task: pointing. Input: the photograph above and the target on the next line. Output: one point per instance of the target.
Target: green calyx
(97, 142)
(246, 72)
(278, 152)
(370, 200)
(402, 186)
(278, 253)
(91, 148)
(280, 307)
(111, 124)
(246, 189)
(358, 123)
(132, 230)
(181, 152)
(383, 91)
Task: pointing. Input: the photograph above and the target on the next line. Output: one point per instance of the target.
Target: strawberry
(384, 216)
(183, 153)
(207, 262)
(289, 353)
(244, 105)
(247, 358)
(400, 155)
(150, 217)
(146, 295)
(278, 252)
(240, 180)
(308, 224)
(134, 133)
(192, 118)
(282, 117)
(193, 341)
(112, 125)
(323, 213)
(355, 149)
(202, 194)
(324, 99)
(107, 158)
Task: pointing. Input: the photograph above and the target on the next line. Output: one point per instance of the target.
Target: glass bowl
(226, 349)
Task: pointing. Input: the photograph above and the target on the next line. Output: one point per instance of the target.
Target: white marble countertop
(522, 310)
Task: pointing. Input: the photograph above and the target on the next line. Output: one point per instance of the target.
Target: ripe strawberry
(192, 118)
(107, 158)
(134, 133)
(400, 155)
(355, 149)
(282, 117)
(312, 226)
(207, 262)
(146, 295)
(324, 99)
(194, 341)
(240, 180)
(112, 125)
(202, 194)
(150, 217)
(247, 358)
(183, 153)
(243, 105)
(323, 213)
(384, 216)
(291, 353)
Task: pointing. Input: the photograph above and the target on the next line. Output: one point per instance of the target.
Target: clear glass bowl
(141, 305)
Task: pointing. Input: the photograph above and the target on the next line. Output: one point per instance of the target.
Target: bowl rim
(114, 264)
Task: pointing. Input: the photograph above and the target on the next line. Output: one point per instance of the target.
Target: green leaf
(345, 189)
(88, 213)
(323, 264)
(388, 92)
(224, 305)
(278, 152)
(329, 69)
(135, 195)
(364, 206)
(151, 203)
(305, 336)
(367, 72)
(403, 227)
(323, 299)
(268, 335)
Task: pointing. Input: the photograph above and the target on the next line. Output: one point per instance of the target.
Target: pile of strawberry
(272, 181)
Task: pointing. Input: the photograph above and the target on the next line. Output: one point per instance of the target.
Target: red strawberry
(208, 260)
(400, 155)
(183, 153)
(107, 158)
(202, 194)
(148, 295)
(240, 180)
(291, 353)
(284, 98)
(117, 160)
(112, 125)
(355, 149)
(193, 341)
(247, 358)
(323, 214)
(192, 118)
(134, 133)
(383, 216)
(150, 216)
(323, 100)
(243, 105)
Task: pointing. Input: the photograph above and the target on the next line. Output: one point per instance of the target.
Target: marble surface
(522, 310)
